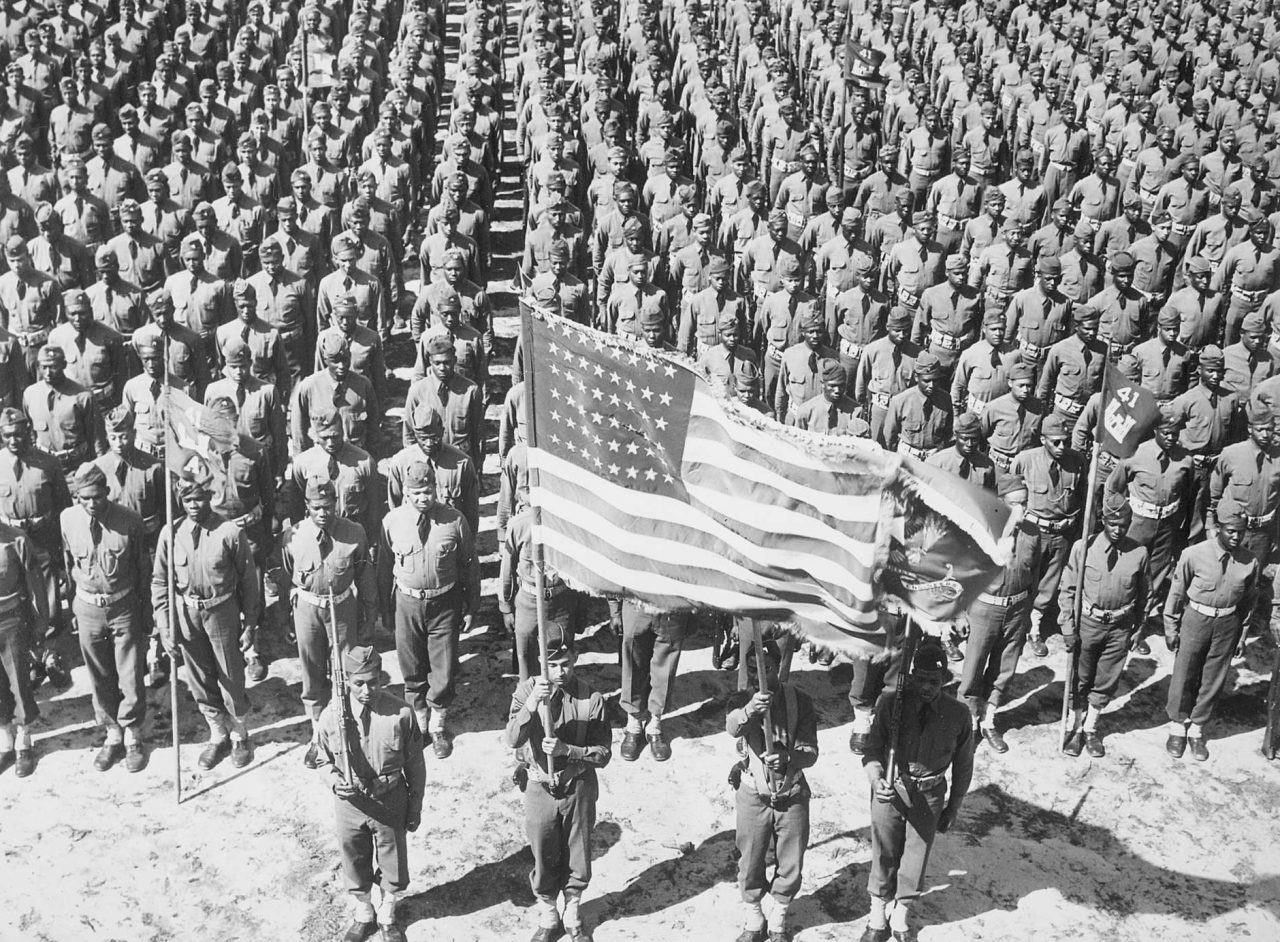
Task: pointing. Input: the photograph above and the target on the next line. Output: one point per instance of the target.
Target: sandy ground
(1135, 846)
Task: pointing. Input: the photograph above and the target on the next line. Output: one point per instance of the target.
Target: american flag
(652, 485)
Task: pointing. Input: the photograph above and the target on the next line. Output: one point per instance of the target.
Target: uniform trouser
(114, 647)
(761, 828)
(298, 357)
(996, 637)
(17, 701)
(871, 678)
(1160, 538)
(259, 539)
(878, 416)
(559, 831)
(561, 612)
(1100, 661)
(919, 184)
(1205, 649)
(427, 646)
(210, 644)
(1057, 183)
(372, 831)
(901, 838)
(1053, 560)
(311, 625)
(1200, 498)
(772, 368)
(949, 239)
(649, 662)
(1237, 310)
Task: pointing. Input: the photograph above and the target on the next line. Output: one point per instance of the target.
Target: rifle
(895, 716)
(342, 705)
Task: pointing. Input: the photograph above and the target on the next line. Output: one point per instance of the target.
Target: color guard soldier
(518, 592)
(771, 793)
(325, 559)
(562, 790)
(104, 550)
(429, 580)
(216, 602)
(998, 621)
(1112, 578)
(936, 735)
(24, 617)
(1055, 478)
(1214, 589)
(381, 801)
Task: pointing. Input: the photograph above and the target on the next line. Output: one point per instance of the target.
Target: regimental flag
(1129, 413)
(651, 485)
(198, 438)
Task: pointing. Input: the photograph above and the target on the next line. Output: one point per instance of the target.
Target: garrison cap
(88, 477)
(418, 475)
(362, 661)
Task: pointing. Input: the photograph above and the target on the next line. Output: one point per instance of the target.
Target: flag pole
(1086, 534)
(171, 587)
(531, 438)
(909, 645)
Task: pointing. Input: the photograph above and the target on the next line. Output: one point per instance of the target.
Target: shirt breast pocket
(444, 550)
(112, 560)
(406, 550)
(68, 422)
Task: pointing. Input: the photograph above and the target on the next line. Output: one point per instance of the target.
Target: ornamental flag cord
(653, 485)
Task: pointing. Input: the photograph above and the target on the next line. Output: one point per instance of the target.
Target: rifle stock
(895, 717)
(341, 704)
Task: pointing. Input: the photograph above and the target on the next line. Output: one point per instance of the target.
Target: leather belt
(851, 349)
(1208, 611)
(23, 523)
(880, 399)
(1072, 407)
(32, 338)
(944, 340)
(1063, 165)
(1144, 508)
(1247, 296)
(1183, 228)
(1003, 459)
(921, 454)
(548, 592)
(908, 298)
(103, 599)
(954, 223)
(977, 404)
(322, 601)
(424, 595)
(1053, 526)
(198, 604)
(1032, 351)
(797, 219)
(1105, 615)
(249, 519)
(1003, 601)
(1254, 523)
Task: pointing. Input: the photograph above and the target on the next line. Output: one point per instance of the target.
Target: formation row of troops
(939, 254)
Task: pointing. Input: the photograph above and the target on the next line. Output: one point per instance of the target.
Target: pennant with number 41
(1129, 413)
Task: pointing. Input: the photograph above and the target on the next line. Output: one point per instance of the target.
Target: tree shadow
(1083, 862)
(669, 882)
(493, 884)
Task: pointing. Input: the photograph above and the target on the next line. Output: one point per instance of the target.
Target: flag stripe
(705, 406)
(858, 507)
(645, 582)
(578, 493)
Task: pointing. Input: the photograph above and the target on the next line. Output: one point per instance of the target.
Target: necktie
(833, 417)
(195, 530)
(424, 527)
(366, 714)
(109, 296)
(95, 531)
(155, 390)
(133, 249)
(244, 333)
(347, 283)
(1113, 553)
(195, 283)
(55, 257)
(240, 396)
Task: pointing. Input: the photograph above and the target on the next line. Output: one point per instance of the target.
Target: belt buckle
(101, 599)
